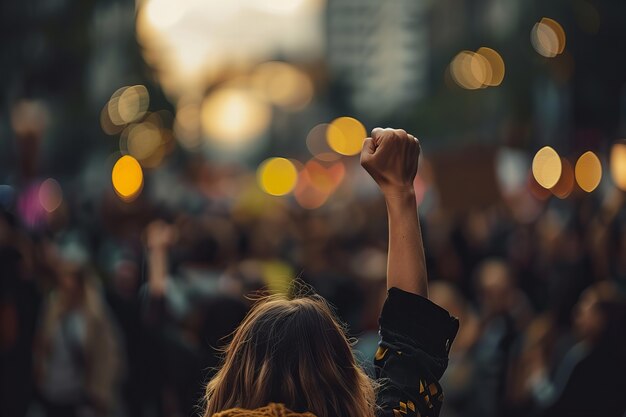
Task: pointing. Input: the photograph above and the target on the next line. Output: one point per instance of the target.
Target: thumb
(369, 148)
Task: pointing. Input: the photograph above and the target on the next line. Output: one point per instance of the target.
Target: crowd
(113, 308)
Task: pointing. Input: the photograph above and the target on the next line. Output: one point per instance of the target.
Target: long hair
(100, 355)
(294, 352)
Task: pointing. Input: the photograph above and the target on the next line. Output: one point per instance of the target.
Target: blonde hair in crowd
(294, 352)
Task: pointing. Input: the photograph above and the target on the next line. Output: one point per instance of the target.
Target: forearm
(406, 263)
(157, 267)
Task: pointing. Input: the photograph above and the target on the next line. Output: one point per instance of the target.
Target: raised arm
(416, 334)
(159, 237)
(390, 156)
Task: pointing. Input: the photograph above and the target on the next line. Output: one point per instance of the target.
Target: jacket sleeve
(412, 355)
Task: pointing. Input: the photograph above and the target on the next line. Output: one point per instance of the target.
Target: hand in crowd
(391, 156)
(160, 235)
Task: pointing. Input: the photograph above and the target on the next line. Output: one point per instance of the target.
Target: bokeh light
(107, 124)
(142, 141)
(283, 85)
(193, 44)
(565, 185)
(588, 171)
(470, 70)
(511, 170)
(325, 178)
(316, 183)
(548, 37)
(277, 6)
(547, 167)
(346, 135)
(537, 190)
(496, 63)
(277, 176)
(232, 117)
(618, 164)
(128, 104)
(127, 178)
(307, 196)
(318, 145)
(163, 13)
(50, 195)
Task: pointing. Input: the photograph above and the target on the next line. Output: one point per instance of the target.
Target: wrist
(157, 249)
(399, 193)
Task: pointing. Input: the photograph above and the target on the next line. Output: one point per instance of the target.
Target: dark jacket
(416, 336)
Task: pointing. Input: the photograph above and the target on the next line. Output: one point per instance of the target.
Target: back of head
(292, 352)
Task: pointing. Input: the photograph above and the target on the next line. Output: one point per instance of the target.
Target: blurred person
(291, 356)
(596, 362)
(139, 387)
(191, 313)
(459, 381)
(20, 301)
(78, 360)
(503, 311)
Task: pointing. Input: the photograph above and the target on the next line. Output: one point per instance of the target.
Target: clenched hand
(391, 157)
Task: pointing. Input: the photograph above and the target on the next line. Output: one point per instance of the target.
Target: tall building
(379, 50)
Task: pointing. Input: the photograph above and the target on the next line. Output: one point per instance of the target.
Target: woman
(77, 353)
(291, 357)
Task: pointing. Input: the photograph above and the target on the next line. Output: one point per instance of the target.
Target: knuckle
(376, 131)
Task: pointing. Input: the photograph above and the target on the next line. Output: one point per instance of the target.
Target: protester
(292, 356)
(77, 354)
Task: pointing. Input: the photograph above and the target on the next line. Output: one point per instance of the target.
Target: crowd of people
(113, 308)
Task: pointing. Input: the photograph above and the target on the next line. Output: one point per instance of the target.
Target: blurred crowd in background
(162, 162)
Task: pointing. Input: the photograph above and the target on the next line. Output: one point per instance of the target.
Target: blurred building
(379, 52)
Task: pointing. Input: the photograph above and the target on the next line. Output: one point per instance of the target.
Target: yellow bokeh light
(496, 63)
(547, 167)
(480, 69)
(460, 69)
(318, 145)
(539, 192)
(618, 164)
(588, 171)
(471, 70)
(127, 178)
(283, 84)
(548, 37)
(233, 117)
(346, 135)
(277, 176)
(50, 195)
(564, 187)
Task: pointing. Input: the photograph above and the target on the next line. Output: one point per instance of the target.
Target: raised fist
(391, 156)
(160, 235)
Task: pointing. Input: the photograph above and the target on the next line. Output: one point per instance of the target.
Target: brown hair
(294, 352)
